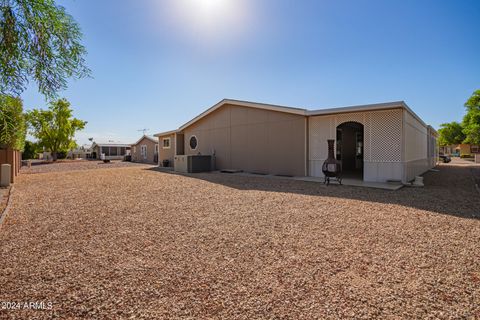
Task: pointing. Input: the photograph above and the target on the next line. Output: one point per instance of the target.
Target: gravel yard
(136, 242)
(70, 165)
(3, 199)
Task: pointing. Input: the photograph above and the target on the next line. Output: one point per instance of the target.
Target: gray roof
(299, 111)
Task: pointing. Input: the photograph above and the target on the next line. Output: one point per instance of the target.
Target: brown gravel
(3, 198)
(136, 242)
(71, 165)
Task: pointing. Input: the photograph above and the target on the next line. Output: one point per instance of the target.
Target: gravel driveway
(136, 242)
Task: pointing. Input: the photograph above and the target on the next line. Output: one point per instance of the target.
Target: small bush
(61, 155)
(30, 151)
(465, 155)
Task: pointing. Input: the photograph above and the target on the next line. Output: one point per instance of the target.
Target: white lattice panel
(360, 117)
(325, 127)
(382, 134)
(347, 117)
(385, 135)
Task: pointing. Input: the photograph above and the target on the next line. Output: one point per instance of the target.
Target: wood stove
(332, 168)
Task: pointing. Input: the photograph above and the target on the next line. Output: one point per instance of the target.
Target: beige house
(376, 142)
(168, 147)
(460, 149)
(145, 150)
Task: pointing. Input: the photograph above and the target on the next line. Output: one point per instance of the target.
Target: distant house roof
(166, 133)
(110, 143)
(153, 139)
(82, 148)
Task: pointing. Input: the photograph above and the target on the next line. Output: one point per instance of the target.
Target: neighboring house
(45, 155)
(168, 147)
(377, 142)
(82, 152)
(113, 150)
(145, 150)
(459, 149)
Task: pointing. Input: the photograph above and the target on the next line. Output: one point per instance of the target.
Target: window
(193, 142)
(143, 151)
(166, 143)
(113, 151)
(474, 149)
(122, 151)
(134, 149)
(105, 150)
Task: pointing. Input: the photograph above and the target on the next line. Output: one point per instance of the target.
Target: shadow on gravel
(450, 191)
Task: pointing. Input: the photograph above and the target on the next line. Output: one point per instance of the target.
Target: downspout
(307, 146)
(175, 148)
(404, 146)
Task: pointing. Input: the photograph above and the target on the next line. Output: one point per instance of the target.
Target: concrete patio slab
(345, 181)
(356, 183)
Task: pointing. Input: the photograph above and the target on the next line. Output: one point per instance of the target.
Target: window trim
(169, 143)
(189, 145)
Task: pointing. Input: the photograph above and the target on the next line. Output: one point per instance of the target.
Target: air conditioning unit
(192, 163)
(180, 164)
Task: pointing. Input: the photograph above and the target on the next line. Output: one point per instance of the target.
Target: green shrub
(61, 155)
(30, 151)
(13, 128)
(465, 155)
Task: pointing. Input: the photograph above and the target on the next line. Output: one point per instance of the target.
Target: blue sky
(158, 63)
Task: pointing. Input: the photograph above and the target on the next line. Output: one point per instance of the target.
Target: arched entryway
(349, 149)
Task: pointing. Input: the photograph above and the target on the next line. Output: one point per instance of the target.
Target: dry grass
(133, 242)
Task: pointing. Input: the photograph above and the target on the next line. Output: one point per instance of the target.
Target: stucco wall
(253, 140)
(167, 153)
(432, 147)
(382, 142)
(416, 158)
(136, 151)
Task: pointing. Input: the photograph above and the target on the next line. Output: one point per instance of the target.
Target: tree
(55, 128)
(30, 151)
(471, 120)
(12, 122)
(38, 41)
(450, 133)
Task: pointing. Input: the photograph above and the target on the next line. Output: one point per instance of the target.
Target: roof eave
(166, 133)
(367, 107)
(358, 108)
(143, 137)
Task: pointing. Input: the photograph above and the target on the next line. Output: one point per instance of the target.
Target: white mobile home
(111, 149)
